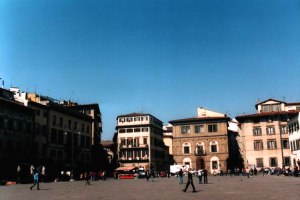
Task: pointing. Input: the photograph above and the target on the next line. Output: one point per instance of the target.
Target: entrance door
(200, 164)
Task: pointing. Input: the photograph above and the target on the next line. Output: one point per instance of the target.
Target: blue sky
(161, 57)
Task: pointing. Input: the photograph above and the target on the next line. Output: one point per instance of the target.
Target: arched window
(200, 149)
(213, 146)
(214, 164)
(187, 162)
(186, 148)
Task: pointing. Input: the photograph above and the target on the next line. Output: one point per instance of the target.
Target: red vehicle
(162, 174)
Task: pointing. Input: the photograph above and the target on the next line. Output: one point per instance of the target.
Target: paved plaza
(237, 187)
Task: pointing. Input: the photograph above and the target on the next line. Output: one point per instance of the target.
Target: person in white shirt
(200, 174)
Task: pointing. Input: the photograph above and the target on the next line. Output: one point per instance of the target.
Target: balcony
(134, 159)
(200, 153)
(143, 146)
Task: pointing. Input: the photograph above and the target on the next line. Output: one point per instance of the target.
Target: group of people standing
(202, 176)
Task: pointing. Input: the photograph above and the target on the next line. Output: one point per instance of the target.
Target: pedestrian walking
(263, 171)
(200, 175)
(87, 178)
(190, 181)
(180, 174)
(147, 174)
(248, 172)
(35, 180)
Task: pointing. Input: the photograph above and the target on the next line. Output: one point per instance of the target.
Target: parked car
(141, 173)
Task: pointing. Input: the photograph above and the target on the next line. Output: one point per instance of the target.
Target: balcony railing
(200, 153)
(134, 146)
(134, 159)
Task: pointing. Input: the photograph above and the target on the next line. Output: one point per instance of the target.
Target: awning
(125, 168)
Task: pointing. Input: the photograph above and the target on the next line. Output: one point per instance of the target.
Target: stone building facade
(201, 142)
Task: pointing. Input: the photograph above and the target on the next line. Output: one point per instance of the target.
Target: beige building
(202, 142)
(140, 141)
(294, 139)
(168, 137)
(62, 136)
(265, 139)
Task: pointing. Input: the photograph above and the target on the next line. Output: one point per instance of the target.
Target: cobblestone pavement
(236, 187)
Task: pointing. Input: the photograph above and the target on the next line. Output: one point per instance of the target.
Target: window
(129, 119)
(259, 162)
(271, 108)
(199, 149)
(144, 140)
(287, 161)
(82, 141)
(214, 164)
(285, 144)
(273, 162)
(186, 150)
(185, 129)
(75, 125)
(144, 129)
(130, 130)
(60, 137)
(136, 130)
(122, 131)
(282, 130)
(61, 122)
(199, 129)
(53, 136)
(82, 127)
(45, 113)
(271, 144)
(37, 129)
(87, 142)
(256, 131)
(69, 124)
(54, 120)
(270, 130)
(258, 145)
(212, 128)
(213, 148)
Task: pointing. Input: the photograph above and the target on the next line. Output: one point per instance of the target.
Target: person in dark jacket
(190, 181)
(180, 174)
(205, 176)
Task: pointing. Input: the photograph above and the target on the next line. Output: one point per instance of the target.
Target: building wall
(16, 137)
(140, 141)
(192, 140)
(271, 118)
(252, 154)
(294, 139)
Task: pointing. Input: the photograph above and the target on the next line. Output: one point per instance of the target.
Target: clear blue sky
(161, 57)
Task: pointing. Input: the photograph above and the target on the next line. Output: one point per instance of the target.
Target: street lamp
(72, 154)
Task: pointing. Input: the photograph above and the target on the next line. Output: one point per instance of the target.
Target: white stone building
(140, 141)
